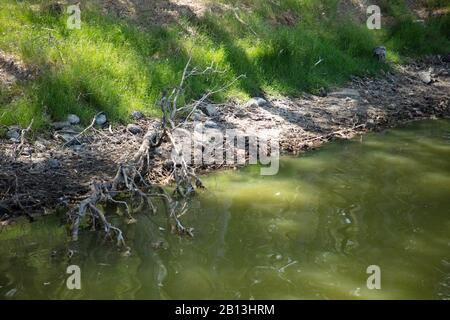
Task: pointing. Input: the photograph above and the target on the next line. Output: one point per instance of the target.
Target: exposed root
(132, 178)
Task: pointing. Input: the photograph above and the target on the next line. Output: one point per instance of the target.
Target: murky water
(308, 233)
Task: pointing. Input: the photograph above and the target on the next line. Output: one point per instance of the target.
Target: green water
(308, 233)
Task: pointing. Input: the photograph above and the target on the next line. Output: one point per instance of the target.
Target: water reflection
(309, 232)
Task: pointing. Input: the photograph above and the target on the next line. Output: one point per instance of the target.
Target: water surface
(308, 233)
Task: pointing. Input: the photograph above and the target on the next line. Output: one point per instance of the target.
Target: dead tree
(131, 179)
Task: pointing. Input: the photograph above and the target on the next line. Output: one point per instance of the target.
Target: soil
(47, 175)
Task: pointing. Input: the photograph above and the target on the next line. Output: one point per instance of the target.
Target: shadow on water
(309, 232)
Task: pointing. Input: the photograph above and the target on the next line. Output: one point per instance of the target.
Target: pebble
(27, 151)
(425, 77)
(100, 120)
(240, 113)
(134, 129)
(256, 102)
(137, 115)
(13, 134)
(380, 53)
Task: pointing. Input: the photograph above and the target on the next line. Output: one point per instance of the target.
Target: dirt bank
(47, 173)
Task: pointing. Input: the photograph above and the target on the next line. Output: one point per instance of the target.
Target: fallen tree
(132, 177)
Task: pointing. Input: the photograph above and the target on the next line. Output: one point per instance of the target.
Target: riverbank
(126, 53)
(47, 173)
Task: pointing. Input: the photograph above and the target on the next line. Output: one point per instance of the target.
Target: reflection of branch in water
(283, 269)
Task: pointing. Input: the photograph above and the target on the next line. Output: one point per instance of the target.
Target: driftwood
(131, 177)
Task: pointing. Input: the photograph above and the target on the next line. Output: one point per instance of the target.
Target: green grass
(114, 66)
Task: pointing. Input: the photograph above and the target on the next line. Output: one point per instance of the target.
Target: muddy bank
(48, 173)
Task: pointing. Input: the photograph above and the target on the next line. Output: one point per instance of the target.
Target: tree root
(132, 177)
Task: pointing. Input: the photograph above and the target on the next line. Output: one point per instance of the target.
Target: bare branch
(23, 138)
(130, 178)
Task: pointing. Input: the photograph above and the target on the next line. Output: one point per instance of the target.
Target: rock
(211, 110)
(425, 77)
(137, 115)
(73, 119)
(60, 125)
(446, 58)
(256, 102)
(134, 129)
(380, 53)
(211, 124)
(240, 113)
(13, 133)
(100, 119)
(346, 93)
(27, 151)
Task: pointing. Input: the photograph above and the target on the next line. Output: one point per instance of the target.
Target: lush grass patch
(409, 37)
(114, 66)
